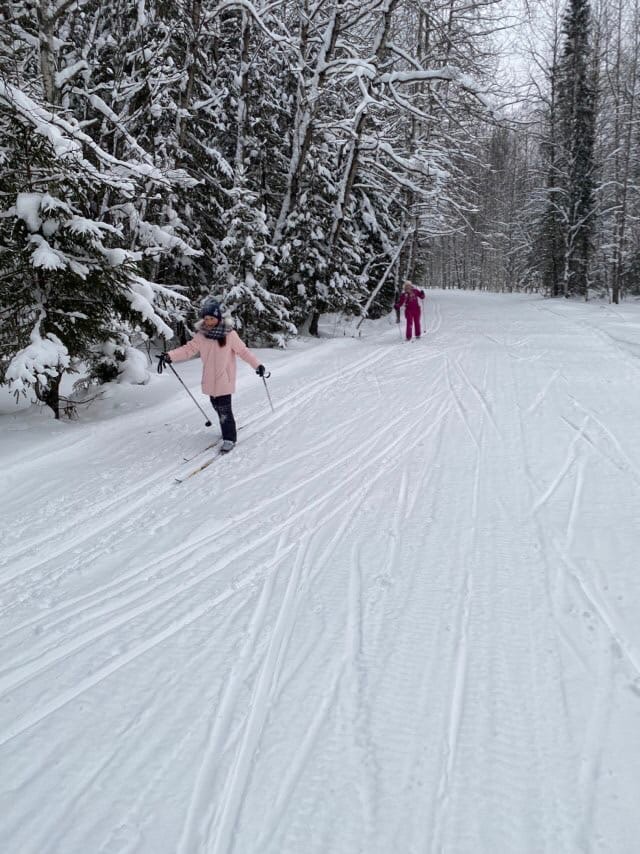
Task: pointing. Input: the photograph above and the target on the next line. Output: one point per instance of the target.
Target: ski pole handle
(163, 362)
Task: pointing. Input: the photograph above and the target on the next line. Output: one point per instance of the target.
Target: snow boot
(227, 446)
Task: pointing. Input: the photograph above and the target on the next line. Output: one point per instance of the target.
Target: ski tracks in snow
(118, 508)
(215, 831)
(59, 639)
(384, 635)
(105, 619)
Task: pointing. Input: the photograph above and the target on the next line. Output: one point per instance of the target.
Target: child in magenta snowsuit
(409, 299)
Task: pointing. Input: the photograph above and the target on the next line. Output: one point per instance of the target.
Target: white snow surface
(402, 616)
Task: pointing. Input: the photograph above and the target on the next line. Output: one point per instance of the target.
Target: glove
(164, 359)
(260, 370)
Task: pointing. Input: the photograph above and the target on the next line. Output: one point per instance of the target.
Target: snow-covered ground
(402, 616)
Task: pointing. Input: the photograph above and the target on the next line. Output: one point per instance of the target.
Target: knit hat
(211, 308)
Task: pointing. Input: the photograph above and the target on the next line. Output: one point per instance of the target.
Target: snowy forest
(300, 157)
(389, 601)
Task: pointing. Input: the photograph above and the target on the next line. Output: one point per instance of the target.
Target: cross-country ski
(190, 472)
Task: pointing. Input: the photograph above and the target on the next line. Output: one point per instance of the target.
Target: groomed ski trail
(395, 619)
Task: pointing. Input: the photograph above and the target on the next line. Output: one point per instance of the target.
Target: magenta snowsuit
(411, 310)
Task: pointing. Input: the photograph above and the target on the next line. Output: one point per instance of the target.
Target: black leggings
(222, 406)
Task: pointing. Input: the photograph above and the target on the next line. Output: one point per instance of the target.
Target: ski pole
(207, 423)
(264, 380)
(161, 363)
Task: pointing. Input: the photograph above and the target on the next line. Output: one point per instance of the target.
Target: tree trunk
(50, 394)
(243, 94)
(622, 182)
(346, 187)
(307, 104)
(192, 62)
(46, 24)
(313, 326)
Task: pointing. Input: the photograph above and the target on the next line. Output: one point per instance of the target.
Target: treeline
(557, 188)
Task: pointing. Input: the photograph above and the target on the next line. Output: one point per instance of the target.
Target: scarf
(218, 332)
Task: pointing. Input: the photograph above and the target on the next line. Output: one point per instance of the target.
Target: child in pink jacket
(218, 347)
(409, 299)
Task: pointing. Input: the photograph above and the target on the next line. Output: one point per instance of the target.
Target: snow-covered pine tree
(128, 71)
(68, 287)
(318, 280)
(261, 313)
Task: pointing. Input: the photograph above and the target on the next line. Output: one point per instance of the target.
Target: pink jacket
(218, 363)
(410, 302)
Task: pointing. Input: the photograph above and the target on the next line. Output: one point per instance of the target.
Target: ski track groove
(401, 509)
(576, 500)
(599, 607)
(434, 316)
(221, 822)
(52, 837)
(557, 626)
(186, 549)
(296, 399)
(119, 661)
(372, 462)
(542, 394)
(355, 717)
(460, 664)
(570, 459)
(137, 576)
(476, 686)
(598, 723)
(149, 603)
(456, 704)
(196, 832)
(419, 768)
(461, 410)
(627, 466)
(478, 394)
(225, 817)
(370, 796)
(287, 784)
(393, 671)
(608, 340)
(538, 749)
(19, 462)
